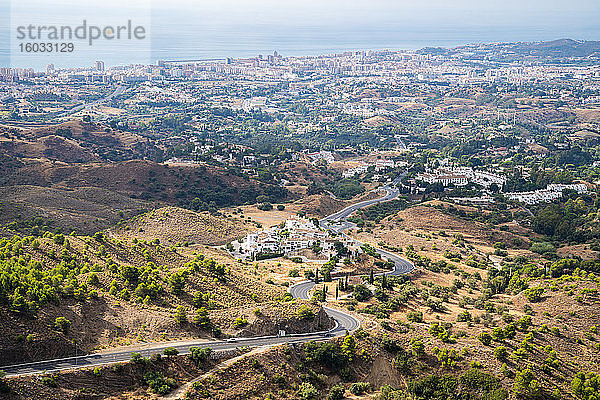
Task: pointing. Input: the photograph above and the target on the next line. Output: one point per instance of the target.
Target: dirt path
(179, 393)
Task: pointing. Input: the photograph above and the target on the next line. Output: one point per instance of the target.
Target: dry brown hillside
(85, 209)
(176, 225)
(119, 292)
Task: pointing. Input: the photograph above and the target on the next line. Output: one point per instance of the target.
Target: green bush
(542, 247)
(464, 316)
(526, 385)
(50, 381)
(586, 386)
(306, 313)
(180, 315)
(534, 294)
(361, 293)
(200, 354)
(158, 383)
(307, 391)
(359, 388)
(170, 351)
(414, 316)
(485, 338)
(336, 392)
(500, 353)
(240, 322)
(62, 324)
(201, 318)
(329, 354)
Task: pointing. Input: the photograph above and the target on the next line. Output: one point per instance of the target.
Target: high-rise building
(99, 65)
(49, 68)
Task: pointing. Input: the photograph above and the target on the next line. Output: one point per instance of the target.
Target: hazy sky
(472, 12)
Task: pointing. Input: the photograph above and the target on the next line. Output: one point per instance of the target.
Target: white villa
(350, 172)
(461, 176)
(552, 192)
(380, 165)
(296, 234)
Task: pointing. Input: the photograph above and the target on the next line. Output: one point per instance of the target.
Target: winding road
(344, 322)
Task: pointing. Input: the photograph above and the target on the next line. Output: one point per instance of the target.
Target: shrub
(586, 386)
(158, 383)
(307, 391)
(359, 388)
(50, 381)
(448, 358)
(404, 361)
(329, 354)
(361, 293)
(389, 344)
(441, 332)
(93, 279)
(265, 206)
(240, 322)
(542, 247)
(534, 294)
(417, 346)
(279, 380)
(336, 392)
(306, 313)
(201, 318)
(136, 358)
(62, 324)
(500, 353)
(170, 351)
(180, 315)
(485, 338)
(414, 316)
(464, 316)
(199, 354)
(388, 392)
(526, 385)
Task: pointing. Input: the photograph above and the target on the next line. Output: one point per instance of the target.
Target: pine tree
(371, 277)
(316, 276)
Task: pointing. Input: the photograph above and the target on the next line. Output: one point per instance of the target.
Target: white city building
(552, 192)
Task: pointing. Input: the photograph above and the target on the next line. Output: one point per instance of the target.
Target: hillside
(174, 225)
(76, 142)
(84, 209)
(120, 291)
(88, 176)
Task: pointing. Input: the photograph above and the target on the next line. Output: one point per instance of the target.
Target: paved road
(183, 347)
(343, 322)
(338, 222)
(119, 90)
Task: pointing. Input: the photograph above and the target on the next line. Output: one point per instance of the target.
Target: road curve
(338, 222)
(343, 322)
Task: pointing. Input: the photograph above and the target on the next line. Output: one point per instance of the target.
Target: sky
(469, 12)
